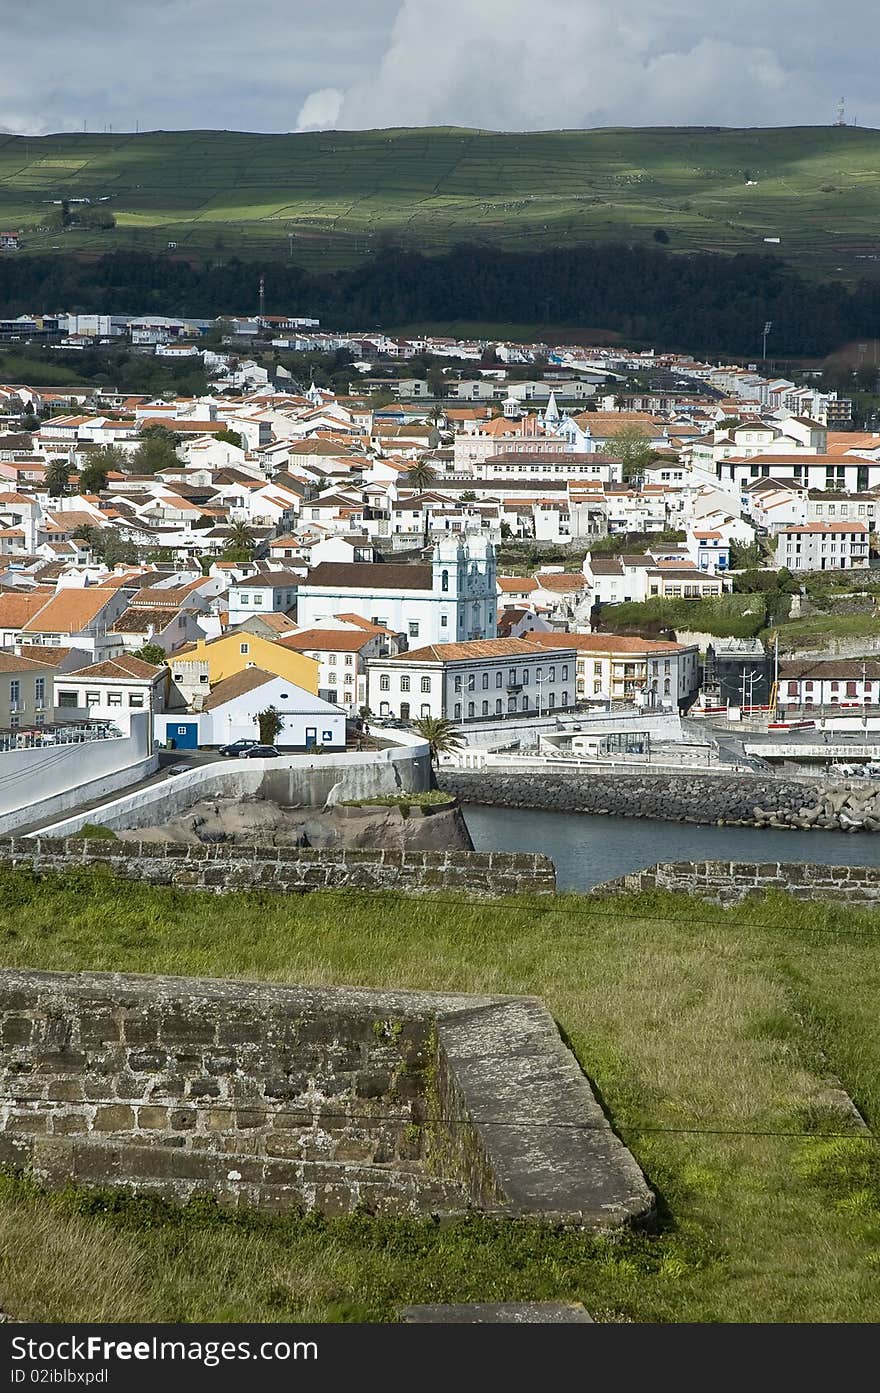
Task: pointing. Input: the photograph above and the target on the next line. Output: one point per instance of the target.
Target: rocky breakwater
(850, 807)
(741, 800)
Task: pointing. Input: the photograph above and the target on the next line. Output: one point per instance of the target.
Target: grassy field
(710, 1035)
(330, 198)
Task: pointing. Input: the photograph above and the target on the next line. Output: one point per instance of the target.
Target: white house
(271, 592)
(486, 679)
(708, 549)
(231, 710)
(619, 668)
(118, 684)
(452, 597)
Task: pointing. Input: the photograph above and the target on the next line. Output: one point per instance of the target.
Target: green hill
(329, 199)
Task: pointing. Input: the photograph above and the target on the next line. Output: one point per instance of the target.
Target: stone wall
(743, 800)
(289, 869)
(729, 882)
(296, 1098)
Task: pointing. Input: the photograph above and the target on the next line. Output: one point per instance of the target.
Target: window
(114, 698)
(348, 679)
(458, 711)
(471, 709)
(565, 698)
(349, 660)
(444, 621)
(14, 692)
(94, 699)
(413, 628)
(242, 597)
(472, 682)
(444, 581)
(67, 699)
(384, 708)
(404, 684)
(565, 677)
(426, 684)
(404, 710)
(244, 648)
(667, 687)
(525, 677)
(551, 676)
(499, 680)
(384, 682)
(525, 703)
(498, 707)
(485, 681)
(485, 708)
(597, 669)
(511, 676)
(511, 705)
(457, 684)
(136, 699)
(40, 690)
(332, 659)
(258, 599)
(551, 701)
(597, 687)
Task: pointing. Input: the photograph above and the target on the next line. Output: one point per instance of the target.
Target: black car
(239, 747)
(259, 752)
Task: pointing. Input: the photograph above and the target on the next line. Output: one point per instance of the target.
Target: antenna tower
(841, 112)
(262, 296)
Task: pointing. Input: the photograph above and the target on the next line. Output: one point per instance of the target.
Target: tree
(271, 723)
(468, 496)
(93, 475)
(440, 734)
(632, 446)
(421, 476)
(107, 546)
(57, 478)
(232, 437)
(157, 450)
(381, 397)
(151, 653)
(241, 542)
(437, 384)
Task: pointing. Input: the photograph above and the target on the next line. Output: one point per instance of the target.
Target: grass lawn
(709, 1035)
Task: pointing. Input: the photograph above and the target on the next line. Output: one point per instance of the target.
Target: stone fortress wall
(285, 1098)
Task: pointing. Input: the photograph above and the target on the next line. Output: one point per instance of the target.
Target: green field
(329, 199)
(710, 1034)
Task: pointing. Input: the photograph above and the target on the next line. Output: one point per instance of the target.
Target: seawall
(729, 882)
(273, 864)
(741, 801)
(304, 780)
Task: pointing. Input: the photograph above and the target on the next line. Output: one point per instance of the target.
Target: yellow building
(232, 653)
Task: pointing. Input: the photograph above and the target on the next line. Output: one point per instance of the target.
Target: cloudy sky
(284, 65)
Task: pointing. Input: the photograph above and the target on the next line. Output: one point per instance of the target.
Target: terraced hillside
(329, 199)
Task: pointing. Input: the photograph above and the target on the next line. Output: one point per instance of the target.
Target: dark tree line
(702, 302)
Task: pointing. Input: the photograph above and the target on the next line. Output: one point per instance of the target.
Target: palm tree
(421, 476)
(241, 538)
(441, 735)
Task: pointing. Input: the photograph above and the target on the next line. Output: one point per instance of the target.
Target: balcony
(514, 687)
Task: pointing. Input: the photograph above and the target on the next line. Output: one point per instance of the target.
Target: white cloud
(502, 64)
(320, 110)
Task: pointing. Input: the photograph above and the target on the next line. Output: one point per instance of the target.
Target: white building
(618, 668)
(487, 679)
(271, 592)
(450, 599)
(829, 682)
(231, 713)
(823, 546)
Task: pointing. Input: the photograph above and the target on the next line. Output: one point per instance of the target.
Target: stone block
(152, 1118)
(16, 1030)
(114, 1117)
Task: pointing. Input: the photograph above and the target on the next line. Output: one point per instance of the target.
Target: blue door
(311, 737)
(184, 734)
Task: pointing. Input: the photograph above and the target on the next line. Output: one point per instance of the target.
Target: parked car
(238, 747)
(259, 752)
